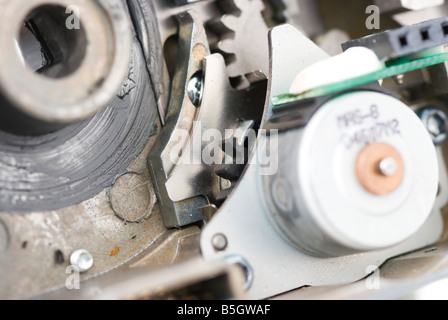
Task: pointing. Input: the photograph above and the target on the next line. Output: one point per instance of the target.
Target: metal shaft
(62, 61)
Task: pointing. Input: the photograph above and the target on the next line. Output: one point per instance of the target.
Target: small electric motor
(362, 175)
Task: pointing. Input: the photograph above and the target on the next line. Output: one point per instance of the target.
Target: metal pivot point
(85, 63)
(82, 260)
(183, 182)
(388, 166)
(219, 242)
(380, 168)
(181, 115)
(195, 89)
(221, 108)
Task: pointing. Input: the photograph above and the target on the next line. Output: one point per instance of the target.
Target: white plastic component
(354, 62)
(332, 197)
(417, 5)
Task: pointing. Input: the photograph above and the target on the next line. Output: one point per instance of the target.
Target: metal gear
(236, 147)
(246, 51)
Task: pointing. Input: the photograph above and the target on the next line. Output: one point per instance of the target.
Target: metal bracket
(278, 266)
(183, 182)
(193, 47)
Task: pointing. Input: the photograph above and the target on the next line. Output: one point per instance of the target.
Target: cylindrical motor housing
(361, 176)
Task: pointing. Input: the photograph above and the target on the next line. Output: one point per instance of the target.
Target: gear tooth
(234, 42)
(244, 83)
(259, 5)
(227, 6)
(241, 4)
(226, 46)
(253, 5)
(229, 21)
(217, 27)
(231, 172)
(241, 82)
(233, 70)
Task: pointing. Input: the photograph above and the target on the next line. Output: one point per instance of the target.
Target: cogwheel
(249, 43)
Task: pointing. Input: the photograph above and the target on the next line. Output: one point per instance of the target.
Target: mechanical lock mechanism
(362, 174)
(277, 160)
(352, 175)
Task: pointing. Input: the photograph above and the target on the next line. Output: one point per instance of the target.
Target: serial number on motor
(371, 128)
(372, 134)
(358, 117)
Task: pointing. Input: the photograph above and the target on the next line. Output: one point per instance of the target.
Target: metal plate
(278, 266)
(76, 163)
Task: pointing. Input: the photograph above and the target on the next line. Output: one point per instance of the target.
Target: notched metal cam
(183, 182)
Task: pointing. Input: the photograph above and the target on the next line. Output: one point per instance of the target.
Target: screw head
(82, 260)
(219, 242)
(194, 89)
(246, 268)
(436, 122)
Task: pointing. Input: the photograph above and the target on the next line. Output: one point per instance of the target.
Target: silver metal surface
(184, 2)
(416, 276)
(436, 122)
(184, 183)
(195, 89)
(167, 12)
(245, 267)
(219, 242)
(249, 42)
(289, 268)
(190, 280)
(121, 224)
(331, 41)
(132, 197)
(305, 15)
(148, 32)
(408, 17)
(388, 166)
(75, 163)
(395, 6)
(287, 60)
(26, 239)
(181, 116)
(81, 260)
(166, 21)
(326, 208)
(222, 107)
(420, 275)
(79, 85)
(4, 239)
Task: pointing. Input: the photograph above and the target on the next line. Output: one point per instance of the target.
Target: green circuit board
(393, 68)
